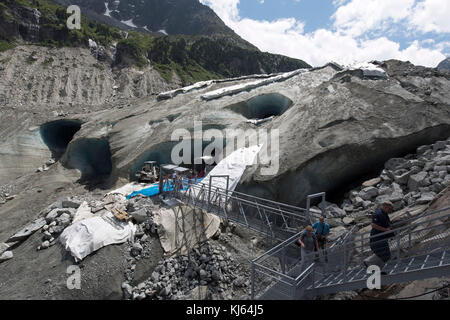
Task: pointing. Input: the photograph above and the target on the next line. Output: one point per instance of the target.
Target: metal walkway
(419, 250)
(272, 219)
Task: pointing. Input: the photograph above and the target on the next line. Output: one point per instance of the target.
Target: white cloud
(345, 44)
(359, 16)
(432, 16)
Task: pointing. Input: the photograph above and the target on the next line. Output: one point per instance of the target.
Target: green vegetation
(6, 45)
(98, 66)
(192, 58)
(54, 31)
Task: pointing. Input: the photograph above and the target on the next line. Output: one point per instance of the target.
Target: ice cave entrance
(58, 134)
(263, 107)
(91, 156)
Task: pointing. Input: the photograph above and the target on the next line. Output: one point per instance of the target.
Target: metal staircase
(419, 247)
(419, 250)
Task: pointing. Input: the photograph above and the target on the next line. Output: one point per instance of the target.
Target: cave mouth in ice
(263, 106)
(58, 134)
(92, 157)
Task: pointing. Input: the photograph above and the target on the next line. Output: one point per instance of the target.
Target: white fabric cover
(234, 166)
(83, 212)
(89, 235)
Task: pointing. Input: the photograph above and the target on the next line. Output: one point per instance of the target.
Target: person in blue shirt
(322, 229)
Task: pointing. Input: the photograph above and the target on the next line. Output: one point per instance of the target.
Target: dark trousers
(323, 246)
(380, 247)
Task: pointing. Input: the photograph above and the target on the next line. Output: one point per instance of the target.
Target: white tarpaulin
(233, 166)
(89, 235)
(183, 227)
(83, 212)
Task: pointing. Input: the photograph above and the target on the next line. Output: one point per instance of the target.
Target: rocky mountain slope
(189, 58)
(188, 17)
(444, 65)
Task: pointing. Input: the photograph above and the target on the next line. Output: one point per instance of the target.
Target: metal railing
(278, 274)
(273, 219)
(419, 249)
(420, 245)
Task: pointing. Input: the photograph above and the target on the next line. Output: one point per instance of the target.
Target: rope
(423, 294)
(406, 298)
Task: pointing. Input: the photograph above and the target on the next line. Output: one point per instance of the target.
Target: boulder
(440, 145)
(402, 178)
(426, 198)
(368, 193)
(372, 182)
(7, 255)
(348, 220)
(68, 203)
(140, 215)
(64, 220)
(416, 180)
(394, 164)
(334, 211)
(27, 231)
(136, 249)
(335, 233)
(3, 247)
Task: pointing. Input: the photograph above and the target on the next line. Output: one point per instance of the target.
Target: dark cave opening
(340, 170)
(91, 156)
(162, 154)
(262, 107)
(58, 134)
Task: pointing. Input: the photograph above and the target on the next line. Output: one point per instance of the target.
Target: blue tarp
(154, 189)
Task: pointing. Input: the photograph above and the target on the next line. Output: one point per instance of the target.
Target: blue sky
(345, 31)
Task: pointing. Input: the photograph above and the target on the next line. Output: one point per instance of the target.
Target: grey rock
(416, 180)
(426, 198)
(136, 249)
(64, 220)
(368, 193)
(52, 215)
(403, 178)
(422, 149)
(166, 291)
(203, 274)
(348, 220)
(3, 247)
(127, 290)
(68, 203)
(394, 164)
(47, 235)
(372, 182)
(7, 255)
(334, 211)
(45, 244)
(27, 231)
(140, 216)
(440, 145)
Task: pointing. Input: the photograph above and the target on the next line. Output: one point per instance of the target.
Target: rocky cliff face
(198, 55)
(188, 17)
(444, 65)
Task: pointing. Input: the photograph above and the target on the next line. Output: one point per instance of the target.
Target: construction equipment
(149, 172)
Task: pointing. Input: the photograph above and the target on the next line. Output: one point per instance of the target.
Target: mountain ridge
(192, 57)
